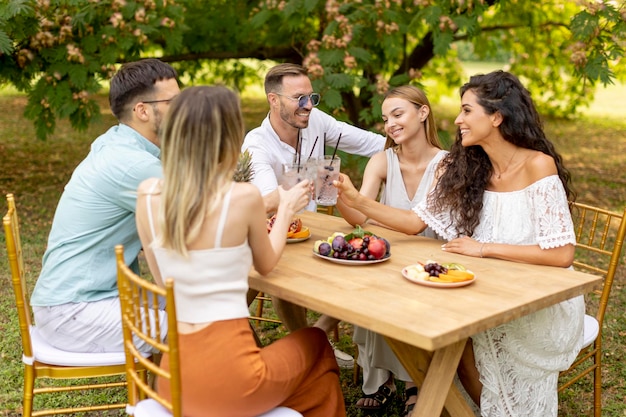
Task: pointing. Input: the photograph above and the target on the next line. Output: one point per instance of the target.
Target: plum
(324, 249)
(339, 242)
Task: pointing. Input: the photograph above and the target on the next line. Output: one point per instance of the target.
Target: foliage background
(61, 52)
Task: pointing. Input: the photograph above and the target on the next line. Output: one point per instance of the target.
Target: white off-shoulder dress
(519, 362)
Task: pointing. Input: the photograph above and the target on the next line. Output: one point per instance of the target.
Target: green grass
(593, 148)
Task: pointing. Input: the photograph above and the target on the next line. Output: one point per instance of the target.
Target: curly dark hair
(466, 170)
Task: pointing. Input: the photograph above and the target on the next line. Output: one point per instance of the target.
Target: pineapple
(244, 171)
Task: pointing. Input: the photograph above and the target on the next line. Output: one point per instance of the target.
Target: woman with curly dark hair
(503, 193)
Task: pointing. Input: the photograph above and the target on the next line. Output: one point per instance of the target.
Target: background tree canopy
(60, 52)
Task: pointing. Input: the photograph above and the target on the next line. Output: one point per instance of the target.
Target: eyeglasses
(304, 99)
(158, 101)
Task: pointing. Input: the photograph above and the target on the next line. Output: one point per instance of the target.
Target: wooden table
(426, 327)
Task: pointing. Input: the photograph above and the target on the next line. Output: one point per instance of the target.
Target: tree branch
(546, 25)
(419, 56)
(286, 53)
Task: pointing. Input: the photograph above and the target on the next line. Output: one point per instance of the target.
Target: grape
(335, 254)
(434, 269)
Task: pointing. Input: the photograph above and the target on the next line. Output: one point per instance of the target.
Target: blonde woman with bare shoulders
(402, 175)
(203, 229)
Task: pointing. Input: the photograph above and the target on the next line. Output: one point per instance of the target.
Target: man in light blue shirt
(76, 301)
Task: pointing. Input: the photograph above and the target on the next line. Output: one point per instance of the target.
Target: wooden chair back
(42, 360)
(600, 238)
(16, 265)
(140, 300)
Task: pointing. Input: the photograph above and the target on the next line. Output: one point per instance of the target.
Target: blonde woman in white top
(405, 171)
(205, 231)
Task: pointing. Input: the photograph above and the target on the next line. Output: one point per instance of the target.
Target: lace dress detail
(519, 362)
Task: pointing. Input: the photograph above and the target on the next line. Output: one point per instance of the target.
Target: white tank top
(211, 284)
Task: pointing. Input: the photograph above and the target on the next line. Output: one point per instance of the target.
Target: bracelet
(481, 250)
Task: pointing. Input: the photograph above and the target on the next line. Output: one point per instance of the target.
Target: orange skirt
(224, 373)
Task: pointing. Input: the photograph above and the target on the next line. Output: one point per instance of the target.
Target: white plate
(350, 261)
(437, 284)
(300, 239)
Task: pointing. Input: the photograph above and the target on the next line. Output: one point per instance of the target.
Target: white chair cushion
(53, 356)
(148, 408)
(151, 408)
(590, 331)
(281, 412)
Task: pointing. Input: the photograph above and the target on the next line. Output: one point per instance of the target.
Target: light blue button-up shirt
(96, 212)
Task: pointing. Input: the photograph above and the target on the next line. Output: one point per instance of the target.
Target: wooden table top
(379, 298)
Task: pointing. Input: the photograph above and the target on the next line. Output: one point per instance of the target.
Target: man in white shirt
(293, 131)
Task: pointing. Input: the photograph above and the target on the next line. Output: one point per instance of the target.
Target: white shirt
(269, 153)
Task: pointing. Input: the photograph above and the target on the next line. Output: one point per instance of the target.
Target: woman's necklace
(498, 175)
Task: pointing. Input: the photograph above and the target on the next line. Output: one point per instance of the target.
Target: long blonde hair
(201, 140)
(418, 98)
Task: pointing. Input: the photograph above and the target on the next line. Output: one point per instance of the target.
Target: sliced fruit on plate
(417, 272)
(302, 233)
(295, 231)
(454, 266)
(453, 275)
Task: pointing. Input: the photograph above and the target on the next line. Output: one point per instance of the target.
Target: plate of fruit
(296, 232)
(434, 274)
(359, 247)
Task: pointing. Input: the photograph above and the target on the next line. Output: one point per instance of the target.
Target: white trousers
(87, 327)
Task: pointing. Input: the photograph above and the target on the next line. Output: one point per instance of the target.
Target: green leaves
(584, 25)
(357, 232)
(58, 48)
(355, 51)
(6, 47)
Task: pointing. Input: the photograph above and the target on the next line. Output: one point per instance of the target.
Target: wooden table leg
(433, 373)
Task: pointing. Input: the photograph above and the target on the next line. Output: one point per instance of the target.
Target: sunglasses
(304, 99)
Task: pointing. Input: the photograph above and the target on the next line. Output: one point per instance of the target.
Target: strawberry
(356, 243)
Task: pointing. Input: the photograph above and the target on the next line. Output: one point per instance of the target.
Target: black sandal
(383, 396)
(408, 393)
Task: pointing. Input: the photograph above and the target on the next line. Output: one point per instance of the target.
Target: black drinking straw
(330, 167)
(335, 151)
(299, 149)
(296, 156)
(313, 148)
